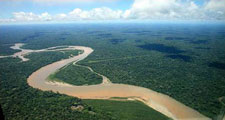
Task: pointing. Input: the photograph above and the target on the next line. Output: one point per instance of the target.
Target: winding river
(106, 90)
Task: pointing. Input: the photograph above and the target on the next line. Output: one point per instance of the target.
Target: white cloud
(22, 16)
(215, 9)
(61, 1)
(140, 9)
(60, 17)
(103, 13)
(152, 9)
(216, 5)
(7, 20)
(176, 10)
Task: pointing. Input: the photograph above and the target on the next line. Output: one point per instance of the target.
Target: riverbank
(162, 103)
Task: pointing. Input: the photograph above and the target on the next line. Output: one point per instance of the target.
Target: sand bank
(160, 102)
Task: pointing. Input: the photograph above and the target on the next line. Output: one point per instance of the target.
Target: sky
(45, 11)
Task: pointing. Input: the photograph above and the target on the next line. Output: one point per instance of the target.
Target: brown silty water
(160, 102)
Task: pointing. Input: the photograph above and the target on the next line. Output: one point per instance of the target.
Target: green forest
(20, 101)
(184, 61)
(76, 75)
(126, 110)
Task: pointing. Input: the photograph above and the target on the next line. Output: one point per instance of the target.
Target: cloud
(60, 1)
(176, 10)
(215, 5)
(140, 10)
(7, 20)
(22, 16)
(215, 9)
(152, 9)
(103, 13)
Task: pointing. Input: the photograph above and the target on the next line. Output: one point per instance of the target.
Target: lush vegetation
(126, 110)
(184, 61)
(76, 75)
(20, 101)
(71, 53)
(6, 50)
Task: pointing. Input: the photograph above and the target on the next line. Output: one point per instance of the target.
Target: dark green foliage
(176, 38)
(19, 101)
(223, 100)
(202, 48)
(105, 35)
(71, 52)
(190, 84)
(31, 37)
(6, 50)
(76, 75)
(217, 65)
(126, 110)
(137, 41)
(180, 57)
(117, 41)
(142, 32)
(193, 83)
(199, 42)
(1, 113)
(161, 48)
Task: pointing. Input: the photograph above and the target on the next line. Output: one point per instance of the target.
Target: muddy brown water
(160, 102)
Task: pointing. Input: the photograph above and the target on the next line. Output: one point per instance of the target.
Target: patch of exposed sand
(25, 52)
(160, 102)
